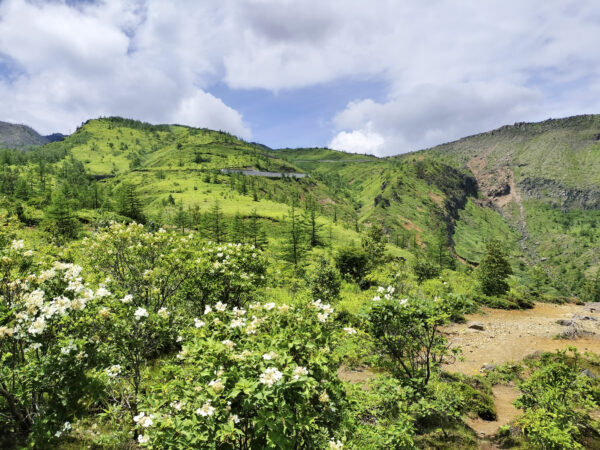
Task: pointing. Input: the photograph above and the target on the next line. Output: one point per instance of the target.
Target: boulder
(565, 322)
(476, 326)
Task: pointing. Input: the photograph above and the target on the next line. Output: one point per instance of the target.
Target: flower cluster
(326, 310)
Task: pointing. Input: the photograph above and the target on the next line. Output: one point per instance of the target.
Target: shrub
(424, 270)
(407, 334)
(352, 262)
(557, 399)
(255, 379)
(47, 346)
(325, 281)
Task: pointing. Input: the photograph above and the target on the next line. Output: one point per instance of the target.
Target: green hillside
(182, 288)
(544, 179)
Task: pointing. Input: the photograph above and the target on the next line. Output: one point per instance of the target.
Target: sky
(381, 77)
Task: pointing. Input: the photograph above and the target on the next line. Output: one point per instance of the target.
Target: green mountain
(19, 136)
(534, 187)
(265, 283)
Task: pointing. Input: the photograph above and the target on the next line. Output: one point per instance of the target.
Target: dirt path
(512, 335)
(506, 412)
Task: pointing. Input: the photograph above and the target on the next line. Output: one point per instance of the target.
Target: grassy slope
(175, 161)
(418, 191)
(563, 238)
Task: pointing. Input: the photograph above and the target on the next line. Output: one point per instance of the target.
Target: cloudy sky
(377, 76)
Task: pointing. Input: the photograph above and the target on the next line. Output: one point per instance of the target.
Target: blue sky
(375, 77)
(296, 117)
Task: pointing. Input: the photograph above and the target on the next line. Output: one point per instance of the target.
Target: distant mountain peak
(19, 136)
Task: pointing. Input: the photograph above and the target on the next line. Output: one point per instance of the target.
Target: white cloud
(138, 60)
(452, 68)
(359, 141)
(429, 115)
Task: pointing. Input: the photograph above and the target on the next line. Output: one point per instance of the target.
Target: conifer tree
(60, 219)
(310, 225)
(215, 225)
(256, 234)
(494, 269)
(238, 229)
(129, 204)
(294, 248)
(181, 218)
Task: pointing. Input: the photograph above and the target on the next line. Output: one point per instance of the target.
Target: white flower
(163, 313)
(299, 372)
(35, 346)
(237, 323)
(269, 306)
(78, 304)
(227, 343)
(144, 420)
(387, 296)
(380, 289)
(206, 410)
(66, 350)
(284, 308)
(57, 434)
(198, 323)
(270, 376)
(17, 245)
(113, 371)
(335, 445)
(350, 330)
(239, 312)
(217, 385)
(324, 397)
(102, 292)
(179, 339)
(143, 439)
(376, 298)
(6, 331)
(390, 289)
(207, 310)
(127, 299)
(269, 356)
(177, 405)
(234, 418)
(46, 275)
(327, 309)
(37, 327)
(220, 306)
(322, 317)
(34, 300)
(67, 426)
(104, 313)
(140, 312)
(404, 301)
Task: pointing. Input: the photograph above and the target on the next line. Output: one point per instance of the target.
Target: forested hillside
(171, 287)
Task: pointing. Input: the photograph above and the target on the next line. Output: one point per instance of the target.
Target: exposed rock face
(541, 188)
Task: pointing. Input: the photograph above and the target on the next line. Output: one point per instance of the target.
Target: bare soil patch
(357, 375)
(510, 336)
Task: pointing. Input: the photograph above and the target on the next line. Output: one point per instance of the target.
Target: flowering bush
(407, 333)
(228, 273)
(47, 344)
(249, 379)
(165, 269)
